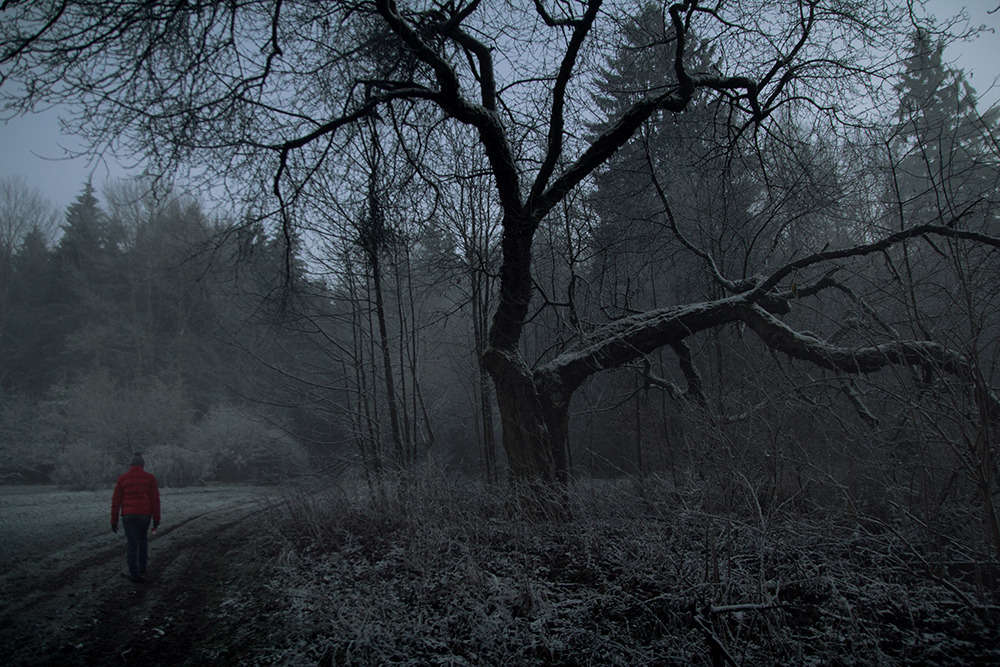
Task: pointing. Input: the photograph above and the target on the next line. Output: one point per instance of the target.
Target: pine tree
(32, 335)
(88, 274)
(85, 237)
(632, 238)
(944, 165)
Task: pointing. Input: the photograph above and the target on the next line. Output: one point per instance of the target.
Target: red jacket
(136, 492)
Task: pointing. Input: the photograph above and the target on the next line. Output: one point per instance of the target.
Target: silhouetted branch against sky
(35, 146)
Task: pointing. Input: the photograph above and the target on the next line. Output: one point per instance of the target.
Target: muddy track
(83, 611)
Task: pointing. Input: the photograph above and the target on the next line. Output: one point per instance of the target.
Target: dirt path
(73, 606)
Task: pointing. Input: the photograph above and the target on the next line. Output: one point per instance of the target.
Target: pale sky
(33, 146)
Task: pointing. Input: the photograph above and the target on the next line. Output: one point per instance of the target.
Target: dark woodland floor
(442, 572)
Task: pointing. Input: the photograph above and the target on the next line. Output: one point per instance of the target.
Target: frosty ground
(436, 570)
(63, 599)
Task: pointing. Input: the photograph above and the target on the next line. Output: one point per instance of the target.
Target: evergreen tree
(84, 274)
(32, 334)
(632, 242)
(85, 235)
(944, 163)
(33, 256)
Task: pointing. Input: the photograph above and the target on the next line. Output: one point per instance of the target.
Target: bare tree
(24, 215)
(22, 208)
(271, 90)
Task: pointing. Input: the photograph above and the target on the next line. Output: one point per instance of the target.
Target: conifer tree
(30, 333)
(85, 235)
(945, 166)
(629, 239)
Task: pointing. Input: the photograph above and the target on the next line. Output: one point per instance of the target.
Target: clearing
(64, 599)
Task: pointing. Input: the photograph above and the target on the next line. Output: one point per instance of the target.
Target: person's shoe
(137, 579)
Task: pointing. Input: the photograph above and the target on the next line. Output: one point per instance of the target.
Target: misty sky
(34, 147)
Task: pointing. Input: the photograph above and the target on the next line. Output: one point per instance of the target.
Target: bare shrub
(245, 447)
(118, 418)
(24, 458)
(176, 466)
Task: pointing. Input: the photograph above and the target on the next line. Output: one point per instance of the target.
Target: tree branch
(614, 137)
(948, 230)
(713, 268)
(634, 336)
(782, 338)
(487, 80)
(451, 101)
(557, 120)
(31, 39)
(692, 377)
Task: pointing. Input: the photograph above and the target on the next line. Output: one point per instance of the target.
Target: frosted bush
(176, 466)
(83, 466)
(245, 447)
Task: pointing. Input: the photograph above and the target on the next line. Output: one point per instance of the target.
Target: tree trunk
(487, 437)
(479, 296)
(534, 418)
(390, 389)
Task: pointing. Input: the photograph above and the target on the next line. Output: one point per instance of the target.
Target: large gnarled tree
(269, 91)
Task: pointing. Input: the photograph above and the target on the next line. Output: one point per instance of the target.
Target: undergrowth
(436, 570)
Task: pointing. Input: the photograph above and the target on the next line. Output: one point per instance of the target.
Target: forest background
(140, 322)
(134, 320)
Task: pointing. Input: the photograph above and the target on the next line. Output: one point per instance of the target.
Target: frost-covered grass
(439, 571)
(37, 522)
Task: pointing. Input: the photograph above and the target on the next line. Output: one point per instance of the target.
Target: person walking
(137, 499)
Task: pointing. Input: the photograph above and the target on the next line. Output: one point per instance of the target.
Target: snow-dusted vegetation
(436, 571)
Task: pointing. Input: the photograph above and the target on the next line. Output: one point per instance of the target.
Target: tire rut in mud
(42, 609)
(89, 614)
(182, 626)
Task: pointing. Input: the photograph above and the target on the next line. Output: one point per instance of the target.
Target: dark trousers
(136, 531)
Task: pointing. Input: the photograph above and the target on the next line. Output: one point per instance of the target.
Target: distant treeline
(132, 326)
